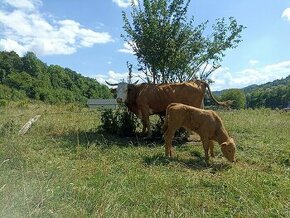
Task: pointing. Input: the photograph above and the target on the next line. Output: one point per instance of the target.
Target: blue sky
(85, 36)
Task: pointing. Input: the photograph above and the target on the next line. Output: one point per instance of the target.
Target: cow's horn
(111, 84)
(136, 82)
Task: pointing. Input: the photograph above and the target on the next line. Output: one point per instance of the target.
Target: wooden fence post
(27, 125)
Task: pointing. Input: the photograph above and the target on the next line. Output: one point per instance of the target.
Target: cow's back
(158, 97)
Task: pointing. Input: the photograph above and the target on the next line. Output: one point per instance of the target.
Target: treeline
(270, 95)
(28, 77)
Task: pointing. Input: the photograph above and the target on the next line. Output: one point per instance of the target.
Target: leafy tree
(20, 81)
(9, 62)
(32, 65)
(237, 96)
(169, 48)
(5, 92)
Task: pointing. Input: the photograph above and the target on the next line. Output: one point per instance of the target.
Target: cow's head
(122, 91)
(229, 150)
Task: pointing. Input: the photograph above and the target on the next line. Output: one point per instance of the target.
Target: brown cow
(147, 99)
(206, 123)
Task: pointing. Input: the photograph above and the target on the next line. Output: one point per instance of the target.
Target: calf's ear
(232, 141)
(224, 144)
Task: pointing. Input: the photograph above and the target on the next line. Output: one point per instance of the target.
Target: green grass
(64, 168)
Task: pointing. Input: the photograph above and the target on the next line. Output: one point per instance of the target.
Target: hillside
(28, 77)
(274, 94)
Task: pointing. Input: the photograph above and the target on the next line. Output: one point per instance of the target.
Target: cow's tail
(165, 125)
(166, 120)
(226, 104)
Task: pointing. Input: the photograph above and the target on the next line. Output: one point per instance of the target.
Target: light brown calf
(206, 123)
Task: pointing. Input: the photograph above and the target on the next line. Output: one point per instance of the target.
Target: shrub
(7, 128)
(3, 102)
(119, 122)
(237, 95)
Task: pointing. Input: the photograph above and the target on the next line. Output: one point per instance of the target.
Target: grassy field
(64, 168)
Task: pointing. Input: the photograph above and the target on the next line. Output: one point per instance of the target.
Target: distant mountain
(250, 88)
(28, 77)
(277, 82)
(274, 94)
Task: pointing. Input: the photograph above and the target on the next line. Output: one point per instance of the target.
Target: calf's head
(229, 150)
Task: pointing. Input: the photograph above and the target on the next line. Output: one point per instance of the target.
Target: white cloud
(286, 14)
(111, 77)
(126, 49)
(279, 68)
(11, 45)
(114, 77)
(225, 79)
(25, 30)
(23, 4)
(253, 62)
(125, 3)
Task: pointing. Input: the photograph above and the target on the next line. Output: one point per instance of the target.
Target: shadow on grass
(96, 137)
(195, 163)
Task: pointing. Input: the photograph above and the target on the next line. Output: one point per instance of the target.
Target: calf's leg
(206, 146)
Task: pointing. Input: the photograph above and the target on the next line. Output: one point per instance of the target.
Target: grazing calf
(206, 123)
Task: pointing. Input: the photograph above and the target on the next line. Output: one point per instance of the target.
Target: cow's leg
(146, 125)
(168, 136)
(211, 145)
(149, 134)
(146, 122)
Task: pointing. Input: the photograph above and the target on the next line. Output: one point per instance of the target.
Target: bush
(123, 123)
(3, 102)
(237, 96)
(157, 129)
(119, 122)
(7, 128)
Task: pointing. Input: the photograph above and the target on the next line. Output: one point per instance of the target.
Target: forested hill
(278, 82)
(274, 94)
(28, 77)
